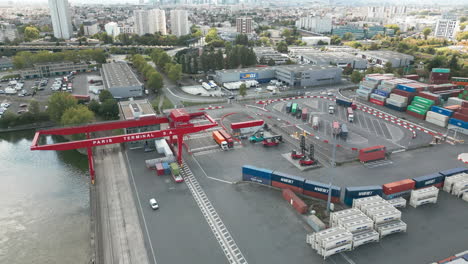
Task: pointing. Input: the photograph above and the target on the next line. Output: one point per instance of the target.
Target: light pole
(333, 164)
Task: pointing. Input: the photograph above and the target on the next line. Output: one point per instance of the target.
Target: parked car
(5, 105)
(154, 204)
(23, 105)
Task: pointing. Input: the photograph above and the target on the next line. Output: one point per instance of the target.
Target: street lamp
(333, 164)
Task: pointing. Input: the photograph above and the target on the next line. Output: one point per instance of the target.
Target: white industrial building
(120, 80)
(315, 24)
(150, 21)
(61, 20)
(179, 23)
(447, 27)
(340, 59)
(381, 57)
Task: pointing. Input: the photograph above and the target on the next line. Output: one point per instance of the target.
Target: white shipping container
(378, 209)
(399, 98)
(336, 241)
(396, 103)
(437, 116)
(359, 225)
(465, 197)
(366, 206)
(391, 228)
(384, 217)
(358, 202)
(365, 237)
(160, 144)
(430, 191)
(399, 202)
(437, 122)
(416, 203)
(449, 181)
(327, 253)
(318, 236)
(460, 187)
(455, 101)
(347, 212)
(349, 218)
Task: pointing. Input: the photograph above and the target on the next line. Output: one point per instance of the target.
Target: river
(44, 203)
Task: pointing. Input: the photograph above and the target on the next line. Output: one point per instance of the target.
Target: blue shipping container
(458, 123)
(167, 169)
(406, 88)
(453, 171)
(428, 180)
(259, 172)
(396, 195)
(288, 179)
(441, 110)
(257, 179)
(352, 193)
(381, 92)
(322, 188)
(396, 108)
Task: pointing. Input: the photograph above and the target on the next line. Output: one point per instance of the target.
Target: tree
(348, 36)
(321, 42)
(243, 90)
(453, 63)
(94, 106)
(155, 82)
(356, 77)
(271, 62)
(58, 103)
(104, 95)
(241, 39)
(426, 32)
(211, 35)
(77, 115)
(388, 67)
(81, 31)
(163, 59)
(34, 107)
(31, 33)
(463, 35)
(348, 70)
(109, 109)
(175, 72)
(335, 40)
(282, 47)
(436, 62)
(374, 46)
(219, 60)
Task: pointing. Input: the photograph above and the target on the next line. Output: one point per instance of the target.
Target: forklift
(308, 160)
(295, 155)
(272, 141)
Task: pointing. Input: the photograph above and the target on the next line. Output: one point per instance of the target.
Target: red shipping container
(375, 101)
(159, 169)
(286, 186)
(414, 77)
(460, 116)
(453, 107)
(463, 111)
(415, 114)
(403, 93)
(464, 104)
(398, 186)
(322, 196)
(295, 201)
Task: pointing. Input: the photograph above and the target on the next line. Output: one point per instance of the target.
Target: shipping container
(295, 201)
(423, 101)
(437, 116)
(352, 193)
(405, 87)
(460, 116)
(381, 92)
(286, 181)
(454, 171)
(399, 202)
(258, 175)
(414, 77)
(404, 93)
(460, 187)
(378, 97)
(388, 216)
(458, 123)
(436, 122)
(451, 180)
(159, 169)
(357, 203)
(320, 191)
(455, 101)
(343, 102)
(412, 113)
(246, 124)
(334, 216)
(398, 186)
(372, 153)
(417, 203)
(391, 228)
(428, 180)
(294, 108)
(377, 102)
(441, 110)
(304, 114)
(396, 108)
(365, 237)
(227, 137)
(441, 70)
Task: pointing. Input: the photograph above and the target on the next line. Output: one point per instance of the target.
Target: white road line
(141, 210)
(216, 179)
(350, 261)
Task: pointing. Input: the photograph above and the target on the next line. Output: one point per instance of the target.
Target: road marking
(225, 240)
(141, 210)
(216, 179)
(378, 163)
(350, 261)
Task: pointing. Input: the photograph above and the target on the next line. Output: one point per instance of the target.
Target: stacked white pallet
(387, 219)
(451, 180)
(359, 224)
(399, 202)
(331, 241)
(465, 197)
(424, 196)
(460, 187)
(334, 216)
(437, 119)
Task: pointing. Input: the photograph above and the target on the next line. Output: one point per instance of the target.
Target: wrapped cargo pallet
(451, 180)
(424, 196)
(391, 228)
(399, 202)
(460, 187)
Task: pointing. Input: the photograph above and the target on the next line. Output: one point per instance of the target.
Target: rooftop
(133, 109)
(304, 67)
(386, 54)
(119, 74)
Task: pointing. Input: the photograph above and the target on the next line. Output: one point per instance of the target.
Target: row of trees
(153, 77)
(33, 115)
(26, 59)
(166, 64)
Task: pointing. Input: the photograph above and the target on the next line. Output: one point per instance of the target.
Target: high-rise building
(315, 24)
(447, 27)
(112, 29)
(90, 27)
(244, 25)
(150, 21)
(179, 22)
(61, 21)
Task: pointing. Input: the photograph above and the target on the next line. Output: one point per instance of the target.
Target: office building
(112, 29)
(120, 80)
(357, 32)
(315, 24)
(381, 57)
(150, 21)
(244, 25)
(90, 27)
(179, 23)
(61, 20)
(51, 69)
(264, 55)
(447, 27)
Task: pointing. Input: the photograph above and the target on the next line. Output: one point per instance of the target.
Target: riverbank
(32, 126)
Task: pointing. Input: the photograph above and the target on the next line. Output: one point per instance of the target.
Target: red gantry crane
(179, 125)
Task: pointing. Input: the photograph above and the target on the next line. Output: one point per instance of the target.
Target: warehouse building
(268, 53)
(260, 74)
(308, 75)
(381, 57)
(340, 59)
(136, 109)
(41, 70)
(120, 80)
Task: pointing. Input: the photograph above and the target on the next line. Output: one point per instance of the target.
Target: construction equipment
(257, 136)
(309, 159)
(272, 141)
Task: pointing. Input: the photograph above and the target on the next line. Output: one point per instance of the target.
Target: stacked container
(295, 201)
(370, 83)
(377, 99)
(419, 107)
(397, 102)
(424, 196)
(439, 75)
(437, 119)
(398, 189)
(320, 190)
(352, 193)
(434, 97)
(399, 202)
(450, 181)
(354, 221)
(387, 219)
(436, 180)
(331, 241)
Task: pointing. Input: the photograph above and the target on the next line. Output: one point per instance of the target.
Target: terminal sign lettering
(249, 75)
(287, 180)
(364, 193)
(323, 190)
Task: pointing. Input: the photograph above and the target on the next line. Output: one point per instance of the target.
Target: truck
(315, 122)
(206, 86)
(305, 115)
(350, 114)
(227, 137)
(220, 140)
(346, 103)
(288, 107)
(294, 108)
(175, 172)
(257, 137)
(298, 112)
(336, 128)
(212, 84)
(344, 132)
(331, 109)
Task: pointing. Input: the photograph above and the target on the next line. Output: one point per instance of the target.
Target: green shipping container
(417, 110)
(440, 70)
(175, 168)
(422, 106)
(423, 101)
(294, 108)
(465, 92)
